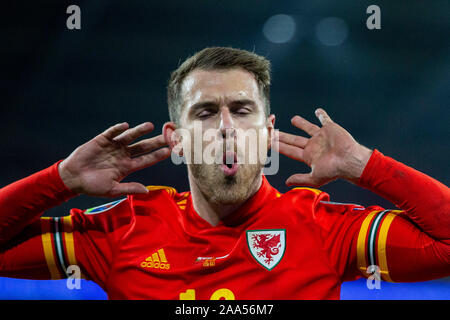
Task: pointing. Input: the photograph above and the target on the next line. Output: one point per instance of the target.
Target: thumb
(302, 179)
(121, 189)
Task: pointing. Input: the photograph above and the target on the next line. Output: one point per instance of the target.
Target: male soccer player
(232, 236)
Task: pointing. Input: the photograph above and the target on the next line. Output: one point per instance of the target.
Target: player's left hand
(331, 152)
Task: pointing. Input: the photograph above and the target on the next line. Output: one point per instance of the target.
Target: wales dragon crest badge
(267, 246)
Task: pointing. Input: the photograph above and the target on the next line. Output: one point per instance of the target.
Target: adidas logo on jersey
(157, 260)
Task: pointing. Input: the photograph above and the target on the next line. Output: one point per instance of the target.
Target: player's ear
(270, 129)
(173, 139)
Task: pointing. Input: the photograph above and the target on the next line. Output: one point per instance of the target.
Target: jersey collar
(248, 210)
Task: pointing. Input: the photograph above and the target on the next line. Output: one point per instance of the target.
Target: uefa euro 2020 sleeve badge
(267, 246)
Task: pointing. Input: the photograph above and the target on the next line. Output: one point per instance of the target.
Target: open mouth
(229, 165)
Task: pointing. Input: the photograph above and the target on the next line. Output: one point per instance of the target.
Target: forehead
(219, 85)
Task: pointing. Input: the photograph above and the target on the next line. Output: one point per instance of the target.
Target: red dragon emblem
(268, 245)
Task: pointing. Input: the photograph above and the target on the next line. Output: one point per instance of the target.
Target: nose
(226, 123)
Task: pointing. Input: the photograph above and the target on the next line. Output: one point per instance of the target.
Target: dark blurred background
(389, 88)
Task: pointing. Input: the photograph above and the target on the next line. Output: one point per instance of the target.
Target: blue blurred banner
(18, 289)
(429, 290)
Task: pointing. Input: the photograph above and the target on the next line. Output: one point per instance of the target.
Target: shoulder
(123, 206)
(318, 200)
(304, 196)
(159, 199)
(299, 203)
(152, 190)
(119, 213)
(305, 192)
(107, 216)
(164, 194)
(315, 205)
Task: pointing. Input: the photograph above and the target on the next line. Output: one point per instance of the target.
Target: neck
(213, 213)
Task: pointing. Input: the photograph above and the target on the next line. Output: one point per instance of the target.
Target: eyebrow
(212, 103)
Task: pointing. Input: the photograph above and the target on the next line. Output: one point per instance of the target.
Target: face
(225, 106)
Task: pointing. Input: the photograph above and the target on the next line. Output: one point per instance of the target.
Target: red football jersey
(296, 245)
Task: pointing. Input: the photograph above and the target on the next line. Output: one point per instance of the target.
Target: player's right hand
(97, 167)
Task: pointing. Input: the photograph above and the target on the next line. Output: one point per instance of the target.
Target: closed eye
(242, 107)
(242, 111)
(205, 113)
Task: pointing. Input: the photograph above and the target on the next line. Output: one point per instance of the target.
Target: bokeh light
(279, 28)
(332, 31)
